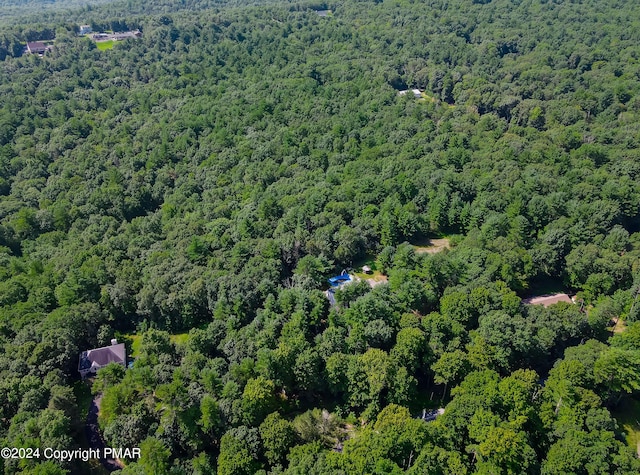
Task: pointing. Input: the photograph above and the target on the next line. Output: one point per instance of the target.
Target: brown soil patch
(435, 246)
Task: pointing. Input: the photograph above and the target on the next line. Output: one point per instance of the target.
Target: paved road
(94, 437)
(331, 296)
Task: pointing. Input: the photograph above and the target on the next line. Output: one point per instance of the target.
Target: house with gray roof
(36, 47)
(92, 360)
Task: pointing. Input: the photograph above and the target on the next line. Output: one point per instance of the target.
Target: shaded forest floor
(628, 416)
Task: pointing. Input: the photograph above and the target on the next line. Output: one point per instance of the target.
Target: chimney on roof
(114, 341)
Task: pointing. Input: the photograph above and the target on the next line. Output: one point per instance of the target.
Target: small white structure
(416, 93)
(85, 29)
(92, 360)
(366, 269)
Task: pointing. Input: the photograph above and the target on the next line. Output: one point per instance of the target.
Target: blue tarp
(339, 279)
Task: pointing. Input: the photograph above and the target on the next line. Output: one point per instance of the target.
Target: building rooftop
(100, 357)
(547, 300)
(36, 47)
(416, 92)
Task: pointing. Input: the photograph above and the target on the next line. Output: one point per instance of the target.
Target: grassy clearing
(628, 417)
(427, 97)
(105, 45)
(136, 342)
(179, 339)
(375, 274)
(432, 246)
(421, 246)
(619, 326)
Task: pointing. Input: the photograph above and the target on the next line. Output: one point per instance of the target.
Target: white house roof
(415, 92)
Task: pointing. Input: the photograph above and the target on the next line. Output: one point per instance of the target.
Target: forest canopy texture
(189, 193)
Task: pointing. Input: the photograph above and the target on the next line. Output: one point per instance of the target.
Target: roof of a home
(36, 46)
(103, 356)
(547, 300)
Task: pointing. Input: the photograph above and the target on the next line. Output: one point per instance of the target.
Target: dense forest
(190, 192)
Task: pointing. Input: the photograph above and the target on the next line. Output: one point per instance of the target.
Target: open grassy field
(105, 45)
(136, 341)
(375, 274)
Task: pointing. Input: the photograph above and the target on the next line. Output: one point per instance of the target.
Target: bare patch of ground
(433, 246)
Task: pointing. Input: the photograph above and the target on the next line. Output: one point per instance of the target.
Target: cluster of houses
(41, 47)
(116, 36)
(85, 30)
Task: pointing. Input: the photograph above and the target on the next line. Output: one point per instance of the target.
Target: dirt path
(92, 432)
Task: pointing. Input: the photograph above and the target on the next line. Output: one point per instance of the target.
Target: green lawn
(180, 338)
(628, 417)
(136, 341)
(370, 261)
(105, 45)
